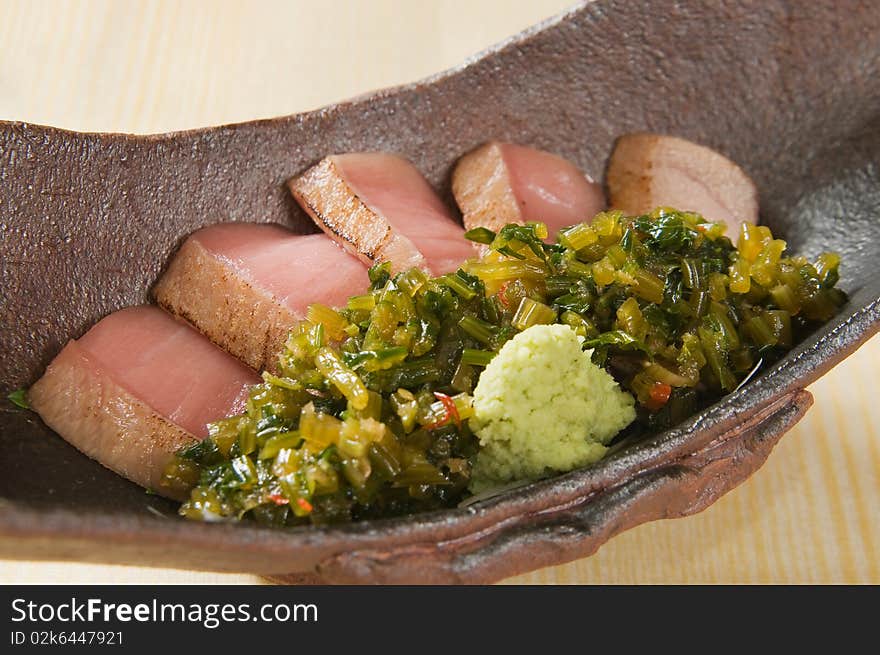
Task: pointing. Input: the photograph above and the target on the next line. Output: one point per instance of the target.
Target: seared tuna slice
(246, 285)
(137, 387)
(380, 208)
(500, 183)
(647, 171)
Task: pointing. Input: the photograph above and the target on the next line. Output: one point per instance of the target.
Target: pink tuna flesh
(394, 189)
(169, 366)
(296, 269)
(647, 171)
(549, 188)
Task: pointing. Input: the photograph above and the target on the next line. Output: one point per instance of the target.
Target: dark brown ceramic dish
(791, 91)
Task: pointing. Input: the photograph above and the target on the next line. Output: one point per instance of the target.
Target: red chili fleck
(659, 395)
(449, 406)
(278, 499)
(438, 423)
(304, 504)
(450, 412)
(502, 295)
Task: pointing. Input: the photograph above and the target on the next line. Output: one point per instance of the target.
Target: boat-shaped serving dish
(790, 91)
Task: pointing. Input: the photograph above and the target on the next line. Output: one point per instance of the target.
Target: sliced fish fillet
(245, 285)
(500, 183)
(647, 171)
(135, 388)
(380, 208)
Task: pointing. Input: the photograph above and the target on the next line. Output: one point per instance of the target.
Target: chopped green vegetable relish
(369, 414)
(19, 398)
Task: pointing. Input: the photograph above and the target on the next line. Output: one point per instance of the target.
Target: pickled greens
(369, 414)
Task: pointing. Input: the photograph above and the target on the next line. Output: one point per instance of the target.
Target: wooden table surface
(810, 515)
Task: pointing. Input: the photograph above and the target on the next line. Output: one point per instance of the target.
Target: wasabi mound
(542, 407)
